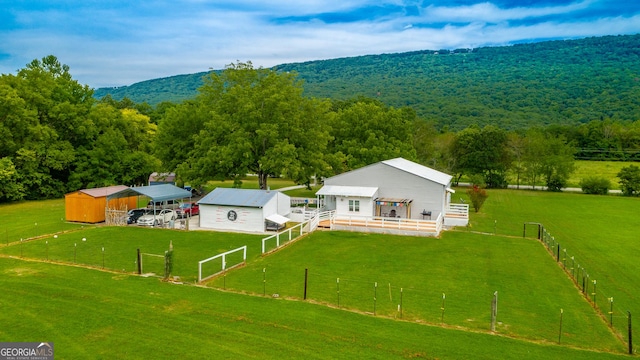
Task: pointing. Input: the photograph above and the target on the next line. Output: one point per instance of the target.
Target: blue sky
(113, 43)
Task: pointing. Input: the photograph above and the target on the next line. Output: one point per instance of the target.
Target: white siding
(215, 217)
(283, 202)
(366, 206)
(394, 183)
(250, 219)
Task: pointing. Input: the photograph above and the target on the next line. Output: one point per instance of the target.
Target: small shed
(89, 205)
(162, 178)
(244, 210)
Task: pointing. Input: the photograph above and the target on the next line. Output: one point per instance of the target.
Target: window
(354, 205)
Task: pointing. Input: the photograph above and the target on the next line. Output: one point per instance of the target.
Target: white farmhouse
(244, 210)
(396, 189)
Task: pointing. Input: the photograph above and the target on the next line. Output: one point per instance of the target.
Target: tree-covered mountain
(566, 82)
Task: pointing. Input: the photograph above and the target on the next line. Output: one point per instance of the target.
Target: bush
(595, 185)
(630, 180)
(555, 183)
(477, 195)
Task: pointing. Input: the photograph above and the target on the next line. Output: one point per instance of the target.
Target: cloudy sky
(119, 42)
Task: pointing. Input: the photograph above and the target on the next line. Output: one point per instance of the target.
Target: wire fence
(595, 291)
(473, 308)
(45, 227)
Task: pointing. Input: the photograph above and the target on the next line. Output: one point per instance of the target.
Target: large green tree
(258, 122)
(45, 111)
(549, 158)
(367, 131)
(482, 152)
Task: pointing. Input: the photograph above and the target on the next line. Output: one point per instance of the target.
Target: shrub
(595, 185)
(629, 180)
(477, 195)
(555, 183)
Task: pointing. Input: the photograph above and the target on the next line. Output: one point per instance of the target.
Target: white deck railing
(287, 236)
(425, 226)
(458, 210)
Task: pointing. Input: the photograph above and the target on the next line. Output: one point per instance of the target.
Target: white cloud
(111, 47)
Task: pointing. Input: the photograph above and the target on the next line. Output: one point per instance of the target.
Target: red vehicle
(188, 210)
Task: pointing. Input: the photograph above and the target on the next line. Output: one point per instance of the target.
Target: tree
(367, 131)
(10, 187)
(482, 152)
(177, 133)
(258, 122)
(557, 163)
(549, 158)
(629, 180)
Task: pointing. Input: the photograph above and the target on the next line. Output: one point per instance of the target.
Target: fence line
(593, 291)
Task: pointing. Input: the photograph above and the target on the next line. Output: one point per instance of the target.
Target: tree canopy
(257, 122)
(55, 140)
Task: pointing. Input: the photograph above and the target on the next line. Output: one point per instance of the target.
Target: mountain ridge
(515, 86)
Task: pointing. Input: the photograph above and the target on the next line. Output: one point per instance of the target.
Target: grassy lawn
(90, 314)
(600, 232)
(30, 219)
(465, 266)
(120, 246)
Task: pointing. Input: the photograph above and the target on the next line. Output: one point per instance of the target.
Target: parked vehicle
(194, 191)
(134, 214)
(168, 204)
(188, 210)
(158, 219)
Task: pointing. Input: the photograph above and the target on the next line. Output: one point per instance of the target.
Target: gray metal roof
(238, 197)
(419, 170)
(161, 192)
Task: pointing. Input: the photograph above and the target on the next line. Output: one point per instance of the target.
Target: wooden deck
(382, 225)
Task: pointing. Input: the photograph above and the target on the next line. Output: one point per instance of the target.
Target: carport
(157, 193)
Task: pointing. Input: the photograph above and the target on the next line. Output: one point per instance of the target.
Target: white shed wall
(215, 217)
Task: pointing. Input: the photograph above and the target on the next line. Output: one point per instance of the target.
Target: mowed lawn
(599, 232)
(412, 274)
(466, 267)
(91, 314)
(115, 248)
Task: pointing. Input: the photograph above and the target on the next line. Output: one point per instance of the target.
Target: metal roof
(238, 197)
(278, 219)
(103, 191)
(161, 192)
(339, 190)
(419, 170)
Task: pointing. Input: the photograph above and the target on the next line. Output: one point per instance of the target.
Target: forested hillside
(557, 82)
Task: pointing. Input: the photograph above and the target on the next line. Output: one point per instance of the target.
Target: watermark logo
(26, 351)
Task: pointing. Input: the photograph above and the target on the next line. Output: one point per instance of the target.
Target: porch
(455, 215)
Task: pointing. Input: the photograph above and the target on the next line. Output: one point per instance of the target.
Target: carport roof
(161, 192)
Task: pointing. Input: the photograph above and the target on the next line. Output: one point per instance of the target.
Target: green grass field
(606, 169)
(466, 266)
(91, 314)
(600, 232)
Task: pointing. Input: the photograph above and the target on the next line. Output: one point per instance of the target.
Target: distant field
(606, 169)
